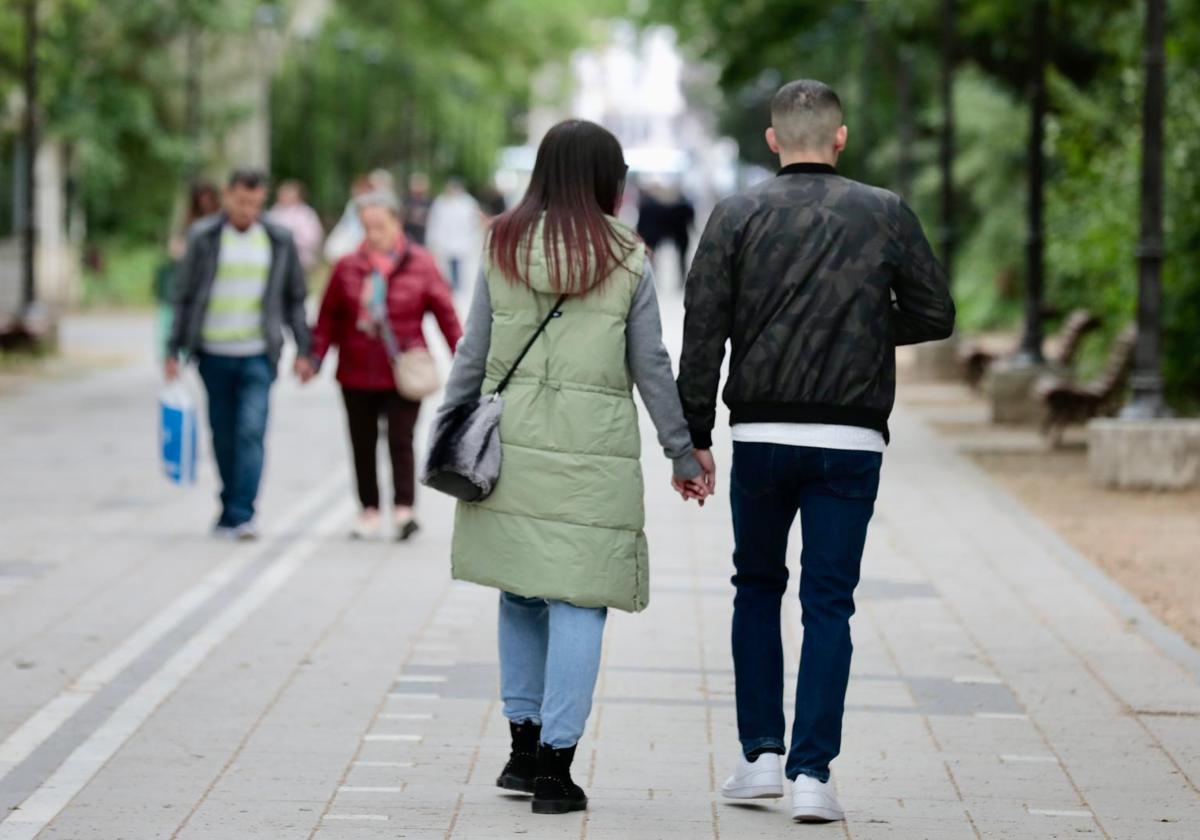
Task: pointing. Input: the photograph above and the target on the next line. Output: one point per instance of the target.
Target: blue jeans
(834, 493)
(239, 389)
(549, 659)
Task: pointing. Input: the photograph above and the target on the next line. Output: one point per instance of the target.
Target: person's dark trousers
(834, 492)
(363, 410)
(239, 391)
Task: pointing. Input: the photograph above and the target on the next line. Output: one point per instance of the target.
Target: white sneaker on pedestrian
(758, 779)
(246, 532)
(815, 801)
(366, 526)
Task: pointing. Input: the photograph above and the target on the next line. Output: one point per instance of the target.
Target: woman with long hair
(561, 535)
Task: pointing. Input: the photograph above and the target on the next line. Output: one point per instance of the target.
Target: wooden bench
(1069, 403)
(976, 359)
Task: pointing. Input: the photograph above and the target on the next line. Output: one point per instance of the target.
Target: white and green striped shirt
(233, 322)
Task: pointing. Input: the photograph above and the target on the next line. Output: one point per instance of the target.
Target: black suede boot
(553, 790)
(518, 774)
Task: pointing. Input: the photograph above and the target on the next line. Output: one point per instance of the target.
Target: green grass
(126, 278)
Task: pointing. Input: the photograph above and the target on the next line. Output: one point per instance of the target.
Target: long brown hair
(576, 183)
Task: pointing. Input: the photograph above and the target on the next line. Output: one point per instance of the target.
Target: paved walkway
(156, 684)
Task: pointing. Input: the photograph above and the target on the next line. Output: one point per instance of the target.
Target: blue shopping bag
(177, 433)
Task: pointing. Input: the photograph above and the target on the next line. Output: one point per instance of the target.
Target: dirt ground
(1148, 542)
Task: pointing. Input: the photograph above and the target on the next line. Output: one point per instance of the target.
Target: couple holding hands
(813, 279)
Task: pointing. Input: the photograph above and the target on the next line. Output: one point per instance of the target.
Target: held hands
(698, 488)
(304, 369)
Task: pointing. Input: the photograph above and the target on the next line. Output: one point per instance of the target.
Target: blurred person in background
(561, 535)
(455, 232)
(679, 215)
(239, 284)
(416, 207)
(388, 283)
(491, 200)
(204, 199)
(292, 212)
(347, 234)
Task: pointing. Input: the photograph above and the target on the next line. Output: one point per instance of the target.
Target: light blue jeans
(549, 659)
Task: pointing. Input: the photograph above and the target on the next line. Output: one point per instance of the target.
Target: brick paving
(310, 687)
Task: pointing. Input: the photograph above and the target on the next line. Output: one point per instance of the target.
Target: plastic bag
(177, 433)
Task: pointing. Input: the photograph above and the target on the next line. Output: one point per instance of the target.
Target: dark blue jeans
(239, 389)
(834, 492)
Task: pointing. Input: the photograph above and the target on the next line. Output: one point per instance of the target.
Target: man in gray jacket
(238, 284)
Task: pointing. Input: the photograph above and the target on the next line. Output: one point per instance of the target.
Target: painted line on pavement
(413, 695)
(369, 789)
(411, 739)
(36, 812)
(1029, 759)
(1055, 812)
(383, 764)
(348, 817)
(38, 728)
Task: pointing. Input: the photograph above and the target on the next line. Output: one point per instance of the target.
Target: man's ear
(839, 140)
(772, 141)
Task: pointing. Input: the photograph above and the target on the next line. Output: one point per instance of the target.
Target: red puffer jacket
(415, 286)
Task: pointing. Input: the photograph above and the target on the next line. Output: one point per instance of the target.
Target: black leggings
(363, 409)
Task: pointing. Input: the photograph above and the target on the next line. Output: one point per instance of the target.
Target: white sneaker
(366, 526)
(815, 801)
(758, 779)
(246, 532)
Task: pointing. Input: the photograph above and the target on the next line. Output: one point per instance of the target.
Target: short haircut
(806, 114)
(379, 198)
(251, 179)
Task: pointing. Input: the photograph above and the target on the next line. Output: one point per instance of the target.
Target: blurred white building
(634, 86)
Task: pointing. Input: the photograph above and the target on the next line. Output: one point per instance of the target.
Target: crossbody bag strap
(529, 345)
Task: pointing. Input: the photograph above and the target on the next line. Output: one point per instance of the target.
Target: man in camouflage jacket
(814, 279)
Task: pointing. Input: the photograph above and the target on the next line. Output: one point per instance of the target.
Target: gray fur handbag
(464, 450)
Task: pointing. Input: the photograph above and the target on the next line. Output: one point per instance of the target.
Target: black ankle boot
(553, 790)
(518, 774)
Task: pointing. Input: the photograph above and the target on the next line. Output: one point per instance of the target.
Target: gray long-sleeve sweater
(648, 359)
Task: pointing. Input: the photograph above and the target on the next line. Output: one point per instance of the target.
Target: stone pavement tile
(987, 736)
(256, 818)
(999, 818)
(1180, 736)
(929, 819)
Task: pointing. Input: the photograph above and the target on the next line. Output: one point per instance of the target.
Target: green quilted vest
(565, 521)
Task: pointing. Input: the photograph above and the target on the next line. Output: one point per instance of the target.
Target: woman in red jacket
(387, 277)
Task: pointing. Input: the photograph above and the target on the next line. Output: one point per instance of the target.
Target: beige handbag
(416, 374)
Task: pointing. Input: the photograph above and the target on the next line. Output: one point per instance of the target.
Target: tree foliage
(1092, 146)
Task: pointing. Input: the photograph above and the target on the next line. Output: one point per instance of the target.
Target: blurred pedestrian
(678, 218)
(347, 234)
(455, 231)
(204, 199)
(561, 535)
(416, 207)
(292, 212)
(491, 201)
(240, 282)
(387, 285)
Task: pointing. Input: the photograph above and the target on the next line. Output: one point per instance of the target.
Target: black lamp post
(1147, 399)
(1030, 352)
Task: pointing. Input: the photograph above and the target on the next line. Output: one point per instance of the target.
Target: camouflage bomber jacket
(814, 279)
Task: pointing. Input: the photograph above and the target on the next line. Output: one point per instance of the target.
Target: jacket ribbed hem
(841, 415)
